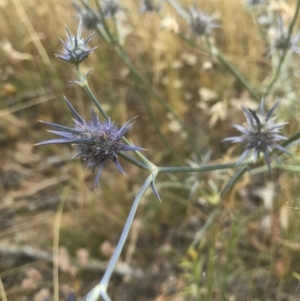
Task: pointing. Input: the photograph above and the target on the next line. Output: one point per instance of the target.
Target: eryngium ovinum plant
(260, 135)
(98, 141)
(95, 141)
(201, 24)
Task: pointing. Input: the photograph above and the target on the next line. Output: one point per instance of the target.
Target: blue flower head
(261, 135)
(95, 141)
(201, 23)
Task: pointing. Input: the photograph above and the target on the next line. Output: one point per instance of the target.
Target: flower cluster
(95, 141)
(76, 49)
(201, 23)
(261, 134)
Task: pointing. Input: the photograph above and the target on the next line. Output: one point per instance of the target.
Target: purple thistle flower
(95, 141)
(282, 40)
(201, 23)
(261, 134)
(75, 47)
(150, 6)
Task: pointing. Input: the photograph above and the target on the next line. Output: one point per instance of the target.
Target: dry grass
(251, 250)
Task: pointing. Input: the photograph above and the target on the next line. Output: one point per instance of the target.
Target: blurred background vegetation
(193, 245)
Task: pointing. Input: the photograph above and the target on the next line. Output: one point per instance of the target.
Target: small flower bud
(75, 47)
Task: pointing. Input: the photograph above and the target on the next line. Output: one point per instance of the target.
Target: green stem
(237, 74)
(199, 235)
(191, 43)
(199, 169)
(180, 11)
(101, 288)
(135, 162)
(292, 168)
(105, 32)
(84, 84)
(237, 175)
(117, 29)
(291, 139)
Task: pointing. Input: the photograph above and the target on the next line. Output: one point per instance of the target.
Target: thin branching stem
(206, 168)
(102, 287)
(291, 139)
(285, 50)
(237, 175)
(234, 71)
(229, 66)
(134, 161)
(84, 84)
(199, 235)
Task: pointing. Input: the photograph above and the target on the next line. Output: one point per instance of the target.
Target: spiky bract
(261, 135)
(201, 23)
(95, 141)
(76, 49)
